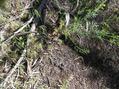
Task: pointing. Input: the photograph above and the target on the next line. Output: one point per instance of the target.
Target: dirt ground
(62, 68)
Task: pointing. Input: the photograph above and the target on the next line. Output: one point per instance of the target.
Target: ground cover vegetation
(59, 44)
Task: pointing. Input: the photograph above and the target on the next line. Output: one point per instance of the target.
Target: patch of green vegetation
(85, 25)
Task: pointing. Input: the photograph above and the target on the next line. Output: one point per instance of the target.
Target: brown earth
(61, 66)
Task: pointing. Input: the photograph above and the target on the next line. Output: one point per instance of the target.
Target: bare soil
(61, 65)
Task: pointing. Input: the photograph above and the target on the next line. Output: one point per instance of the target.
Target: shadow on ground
(105, 69)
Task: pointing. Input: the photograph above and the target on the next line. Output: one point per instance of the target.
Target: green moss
(2, 3)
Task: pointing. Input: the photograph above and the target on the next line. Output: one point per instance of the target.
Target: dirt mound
(62, 68)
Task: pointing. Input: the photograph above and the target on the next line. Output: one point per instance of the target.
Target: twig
(19, 30)
(33, 28)
(25, 33)
(67, 17)
(15, 67)
(20, 59)
(75, 8)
